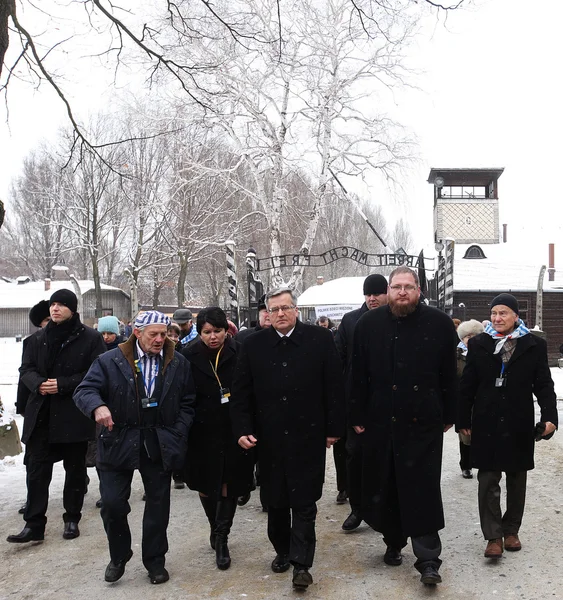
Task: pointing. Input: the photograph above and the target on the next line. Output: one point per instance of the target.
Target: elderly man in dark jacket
(142, 394)
(505, 366)
(348, 451)
(403, 399)
(54, 362)
(287, 401)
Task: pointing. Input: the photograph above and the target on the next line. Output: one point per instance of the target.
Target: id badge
(225, 395)
(148, 403)
(500, 382)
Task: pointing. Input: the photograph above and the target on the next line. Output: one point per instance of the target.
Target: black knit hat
(39, 313)
(65, 297)
(506, 300)
(375, 284)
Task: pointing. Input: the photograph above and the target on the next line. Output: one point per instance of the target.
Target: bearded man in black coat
(403, 399)
(55, 361)
(287, 401)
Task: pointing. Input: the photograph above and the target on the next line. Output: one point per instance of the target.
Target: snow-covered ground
(347, 566)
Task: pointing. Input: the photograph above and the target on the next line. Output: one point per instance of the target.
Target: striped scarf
(192, 335)
(520, 331)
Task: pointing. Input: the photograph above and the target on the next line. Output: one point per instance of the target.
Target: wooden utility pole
(539, 300)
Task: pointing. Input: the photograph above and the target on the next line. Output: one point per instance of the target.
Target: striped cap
(151, 317)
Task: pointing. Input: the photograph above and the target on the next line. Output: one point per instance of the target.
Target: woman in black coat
(505, 366)
(217, 467)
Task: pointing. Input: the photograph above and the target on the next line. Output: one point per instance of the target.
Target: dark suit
(348, 451)
(288, 393)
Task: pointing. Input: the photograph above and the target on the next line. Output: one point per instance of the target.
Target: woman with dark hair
(217, 467)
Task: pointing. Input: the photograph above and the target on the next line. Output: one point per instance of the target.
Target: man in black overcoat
(348, 451)
(505, 365)
(403, 399)
(288, 402)
(142, 396)
(54, 362)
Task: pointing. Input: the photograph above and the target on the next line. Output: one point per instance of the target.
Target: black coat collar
(522, 344)
(197, 354)
(296, 337)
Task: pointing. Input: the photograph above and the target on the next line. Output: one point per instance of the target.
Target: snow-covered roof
(26, 295)
(509, 267)
(345, 290)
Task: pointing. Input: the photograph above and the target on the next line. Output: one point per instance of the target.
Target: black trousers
(354, 450)
(40, 457)
(340, 455)
(292, 532)
(115, 488)
(494, 524)
(427, 548)
(464, 456)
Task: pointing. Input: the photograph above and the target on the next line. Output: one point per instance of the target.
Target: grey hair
(278, 292)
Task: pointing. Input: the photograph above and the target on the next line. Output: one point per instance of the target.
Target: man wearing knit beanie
(348, 451)
(53, 364)
(506, 367)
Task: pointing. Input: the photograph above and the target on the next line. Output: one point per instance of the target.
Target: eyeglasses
(406, 288)
(284, 309)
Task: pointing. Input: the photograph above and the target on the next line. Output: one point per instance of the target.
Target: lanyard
(150, 384)
(502, 370)
(215, 367)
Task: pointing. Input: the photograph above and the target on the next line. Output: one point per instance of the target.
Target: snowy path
(347, 566)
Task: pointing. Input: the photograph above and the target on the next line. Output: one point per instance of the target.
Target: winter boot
(210, 507)
(226, 508)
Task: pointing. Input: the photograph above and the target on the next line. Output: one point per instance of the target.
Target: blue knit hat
(108, 325)
(151, 317)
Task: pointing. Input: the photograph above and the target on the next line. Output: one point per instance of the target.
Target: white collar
(285, 334)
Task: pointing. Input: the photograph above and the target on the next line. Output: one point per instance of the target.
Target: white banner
(335, 311)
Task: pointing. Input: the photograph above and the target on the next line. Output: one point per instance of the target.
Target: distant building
(476, 260)
(16, 298)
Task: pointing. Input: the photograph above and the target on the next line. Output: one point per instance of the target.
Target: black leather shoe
(26, 535)
(430, 576)
(242, 500)
(22, 509)
(71, 531)
(467, 474)
(342, 497)
(158, 575)
(99, 503)
(114, 571)
(352, 522)
(392, 557)
(301, 577)
(280, 564)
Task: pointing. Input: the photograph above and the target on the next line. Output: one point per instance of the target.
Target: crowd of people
(204, 405)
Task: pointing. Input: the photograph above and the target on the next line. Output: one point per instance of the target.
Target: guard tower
(466, 205)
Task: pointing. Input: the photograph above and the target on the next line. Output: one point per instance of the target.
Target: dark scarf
(57, 335)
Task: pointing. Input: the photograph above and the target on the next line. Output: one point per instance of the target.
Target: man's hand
(102, 415)
(549, 428)
(331, 441)
(49, 387)
(247, 441)
(448, 427)
(359, 429)
(465, 431)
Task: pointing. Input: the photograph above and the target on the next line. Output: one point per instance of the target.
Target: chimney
(47, 284)
(320, 279)
(551, 269)
(504, 233)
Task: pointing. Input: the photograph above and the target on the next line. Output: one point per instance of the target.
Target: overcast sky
(490, 97)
